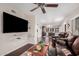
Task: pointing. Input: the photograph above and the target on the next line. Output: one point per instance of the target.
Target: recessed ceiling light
(59, 19)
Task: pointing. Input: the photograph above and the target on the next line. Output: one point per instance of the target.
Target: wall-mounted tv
(12, 23)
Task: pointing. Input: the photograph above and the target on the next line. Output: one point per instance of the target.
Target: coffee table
(43, 52)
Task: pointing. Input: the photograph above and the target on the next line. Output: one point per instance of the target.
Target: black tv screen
(12, 23)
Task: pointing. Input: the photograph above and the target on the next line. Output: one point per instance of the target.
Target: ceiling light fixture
(59, 19)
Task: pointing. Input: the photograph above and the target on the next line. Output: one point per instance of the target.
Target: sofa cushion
(71, 40)
(66, 52)
(61, 42)
(75, 46)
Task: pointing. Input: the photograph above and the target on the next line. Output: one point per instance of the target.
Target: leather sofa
(63, 34)
(73, 46)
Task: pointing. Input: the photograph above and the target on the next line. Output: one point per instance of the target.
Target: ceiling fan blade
(43, 10)
(34, 8)
(51, 5)
(35, 3)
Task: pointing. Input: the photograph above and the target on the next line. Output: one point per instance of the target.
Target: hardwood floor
(20, 50)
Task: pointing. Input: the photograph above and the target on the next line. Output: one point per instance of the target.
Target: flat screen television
(12, 23)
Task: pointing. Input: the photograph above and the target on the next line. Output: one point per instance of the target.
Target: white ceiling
(53, 15)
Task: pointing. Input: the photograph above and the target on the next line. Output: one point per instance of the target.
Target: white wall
(70, 19)
(8, 41)
(39, 33)
(62, 27)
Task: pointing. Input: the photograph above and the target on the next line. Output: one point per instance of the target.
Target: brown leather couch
(63, 34)
(75, 46)
(69, 41)
(72, 45)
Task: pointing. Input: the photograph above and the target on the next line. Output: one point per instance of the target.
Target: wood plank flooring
(20, 50)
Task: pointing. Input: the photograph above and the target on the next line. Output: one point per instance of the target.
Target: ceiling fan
(42, 5)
